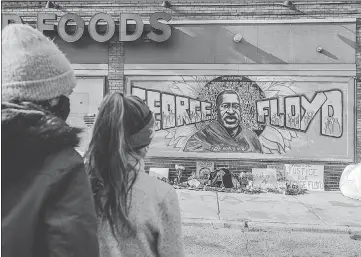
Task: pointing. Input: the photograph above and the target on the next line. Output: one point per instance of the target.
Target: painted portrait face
(229, 112)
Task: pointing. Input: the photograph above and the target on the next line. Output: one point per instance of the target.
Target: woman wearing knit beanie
(47, 204)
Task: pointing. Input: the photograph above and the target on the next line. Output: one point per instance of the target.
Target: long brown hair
(111, 175)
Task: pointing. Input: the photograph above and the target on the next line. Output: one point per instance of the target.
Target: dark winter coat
(47, 204)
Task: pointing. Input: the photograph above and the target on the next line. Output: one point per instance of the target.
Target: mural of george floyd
(250, 116)
(242, 84)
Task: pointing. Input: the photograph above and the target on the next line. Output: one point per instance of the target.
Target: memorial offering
(310, 177)
(265, 178)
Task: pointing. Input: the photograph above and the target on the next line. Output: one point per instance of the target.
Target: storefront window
(84, 103)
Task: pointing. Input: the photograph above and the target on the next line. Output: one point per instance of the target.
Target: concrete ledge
(266, 226)
(303, 227)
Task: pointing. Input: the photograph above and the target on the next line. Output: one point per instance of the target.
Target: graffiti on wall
(240, 114)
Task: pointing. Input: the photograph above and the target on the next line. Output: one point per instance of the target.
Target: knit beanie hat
(32, 67)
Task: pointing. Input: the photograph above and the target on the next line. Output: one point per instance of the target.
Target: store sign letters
(44, 23)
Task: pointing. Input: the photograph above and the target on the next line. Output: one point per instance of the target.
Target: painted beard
(229, 120)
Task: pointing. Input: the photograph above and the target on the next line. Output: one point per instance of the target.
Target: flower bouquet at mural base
(222, 180)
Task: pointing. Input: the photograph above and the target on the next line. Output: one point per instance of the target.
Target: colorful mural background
(262, 116)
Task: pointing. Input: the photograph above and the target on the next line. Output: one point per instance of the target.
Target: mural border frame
(318, 73)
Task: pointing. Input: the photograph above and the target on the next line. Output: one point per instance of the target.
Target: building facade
(285, 74)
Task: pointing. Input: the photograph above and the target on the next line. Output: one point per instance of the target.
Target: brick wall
(115, 66)
(197, 9)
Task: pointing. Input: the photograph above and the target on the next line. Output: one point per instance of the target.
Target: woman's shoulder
(153, 187)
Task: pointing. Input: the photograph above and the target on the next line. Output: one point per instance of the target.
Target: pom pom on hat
(33, 68)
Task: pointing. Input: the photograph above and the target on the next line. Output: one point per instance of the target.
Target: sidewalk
(314, 211)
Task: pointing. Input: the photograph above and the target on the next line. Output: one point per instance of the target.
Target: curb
(255, 226)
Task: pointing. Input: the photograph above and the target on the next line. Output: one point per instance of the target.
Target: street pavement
(213, 242)
(313, 211)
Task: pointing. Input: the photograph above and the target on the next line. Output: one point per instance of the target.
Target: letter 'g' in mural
(239, 114)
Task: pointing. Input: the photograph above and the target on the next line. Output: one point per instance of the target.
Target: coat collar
(29, 134)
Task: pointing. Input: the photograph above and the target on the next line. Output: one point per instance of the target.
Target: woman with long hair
(138, 215)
